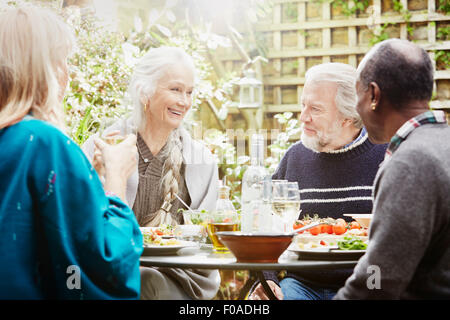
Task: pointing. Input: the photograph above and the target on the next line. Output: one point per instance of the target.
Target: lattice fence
(302, 33)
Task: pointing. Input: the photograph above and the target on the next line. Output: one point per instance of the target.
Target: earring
(374, 106)
(145, 107)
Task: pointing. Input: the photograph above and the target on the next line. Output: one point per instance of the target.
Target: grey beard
(313, 144)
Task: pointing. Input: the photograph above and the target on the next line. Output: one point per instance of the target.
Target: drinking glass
(279, 195)
(109, 135)
(292, 205)
(226, 220)
(197, 218)
(129, 127)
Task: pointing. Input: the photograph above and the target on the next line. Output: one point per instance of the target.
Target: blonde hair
(144, 81)
(34, 43)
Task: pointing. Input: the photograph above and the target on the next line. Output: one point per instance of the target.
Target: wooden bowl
(256, 247)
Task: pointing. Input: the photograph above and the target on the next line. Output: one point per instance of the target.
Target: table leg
(265, 285)
(254, 276)
(247, 286)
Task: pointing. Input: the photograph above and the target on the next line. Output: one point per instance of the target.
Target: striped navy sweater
(333, 183)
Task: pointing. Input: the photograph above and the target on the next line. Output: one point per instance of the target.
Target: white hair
(148, 71)
(144, 81)
(344, 76)
(34, 44)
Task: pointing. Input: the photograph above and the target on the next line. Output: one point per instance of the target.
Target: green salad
(352, 243)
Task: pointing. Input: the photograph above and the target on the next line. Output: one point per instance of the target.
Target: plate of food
(343, 248)
(155, 245)
(331, 227)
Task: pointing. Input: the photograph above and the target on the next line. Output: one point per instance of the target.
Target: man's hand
(260, 294)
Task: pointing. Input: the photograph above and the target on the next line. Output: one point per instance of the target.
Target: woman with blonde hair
(61, 236)
(171, 164)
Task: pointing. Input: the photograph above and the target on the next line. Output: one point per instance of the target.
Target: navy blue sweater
(331, 184)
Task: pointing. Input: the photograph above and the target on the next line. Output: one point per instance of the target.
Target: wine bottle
(252, 185)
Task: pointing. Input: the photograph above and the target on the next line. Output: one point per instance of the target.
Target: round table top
(205, 258)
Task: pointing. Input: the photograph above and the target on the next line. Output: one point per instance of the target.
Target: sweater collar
(362, 137)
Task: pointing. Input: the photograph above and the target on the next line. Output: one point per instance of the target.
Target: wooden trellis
(314, 32)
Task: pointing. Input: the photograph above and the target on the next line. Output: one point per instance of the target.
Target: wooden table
(205, 258)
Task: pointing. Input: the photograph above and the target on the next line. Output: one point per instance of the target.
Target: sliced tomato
(327, 228)
(323, 243)
(339, 228)
(354, 225)
(298, 225)
(316, 230)
(159, 232)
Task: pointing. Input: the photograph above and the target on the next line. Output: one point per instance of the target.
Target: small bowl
(188, 230)
(191, 232)
(256, 247)
(362, 218)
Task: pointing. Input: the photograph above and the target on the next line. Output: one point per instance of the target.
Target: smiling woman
(170, 102)
(161, 91)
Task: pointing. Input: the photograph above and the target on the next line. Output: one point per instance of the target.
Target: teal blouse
(61, 237)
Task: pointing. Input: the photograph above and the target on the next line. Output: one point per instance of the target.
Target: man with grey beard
(334, 165)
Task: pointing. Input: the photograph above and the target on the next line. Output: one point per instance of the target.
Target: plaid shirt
(410, 125)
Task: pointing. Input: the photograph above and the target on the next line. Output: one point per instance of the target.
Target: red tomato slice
(354, 225)
(339, 229)
(298, 225)
(316, 230)
(327, 228)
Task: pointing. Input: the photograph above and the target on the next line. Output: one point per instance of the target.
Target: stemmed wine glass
(292, 205)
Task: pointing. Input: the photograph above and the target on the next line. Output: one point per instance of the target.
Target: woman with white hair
(61, 236)
(171, 164)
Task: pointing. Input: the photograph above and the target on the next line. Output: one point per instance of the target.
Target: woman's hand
(260, 294)
(97, 160)
(117, 162)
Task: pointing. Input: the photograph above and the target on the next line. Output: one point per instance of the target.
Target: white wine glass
(292, 205)
(279, 194)
(110, 136)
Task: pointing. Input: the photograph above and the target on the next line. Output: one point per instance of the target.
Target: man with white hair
(334, 165)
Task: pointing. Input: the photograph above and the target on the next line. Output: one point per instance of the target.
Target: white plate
(330, 252)
(164, 250)
(327, 254)
(329, 238)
